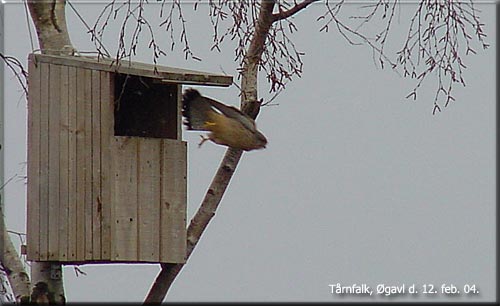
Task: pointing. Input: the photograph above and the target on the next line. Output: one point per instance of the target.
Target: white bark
(14, 268)
(49, 273)
(6, 294)
(50, 22)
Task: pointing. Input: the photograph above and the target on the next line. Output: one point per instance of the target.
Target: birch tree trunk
(49, 18)
(14, 269)
(251, 106)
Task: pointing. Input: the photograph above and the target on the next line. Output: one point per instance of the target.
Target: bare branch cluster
(280, 58)
(231, 20)
(439, 37)
(441, 33)
(135, 21)
(168, 22)
(133, 17)
(331, 17)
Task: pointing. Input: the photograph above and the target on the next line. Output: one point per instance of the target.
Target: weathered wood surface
(107, 126)
(44, 164)
(72, 164)
(64, 179)
(173, 201)
(94, 197)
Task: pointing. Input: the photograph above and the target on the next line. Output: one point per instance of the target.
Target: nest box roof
(163, 73)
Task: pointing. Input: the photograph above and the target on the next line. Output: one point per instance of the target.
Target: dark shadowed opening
(144, 107)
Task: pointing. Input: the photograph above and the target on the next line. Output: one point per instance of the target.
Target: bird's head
(261, 140)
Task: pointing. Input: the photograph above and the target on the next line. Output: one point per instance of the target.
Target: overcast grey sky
(357, 185)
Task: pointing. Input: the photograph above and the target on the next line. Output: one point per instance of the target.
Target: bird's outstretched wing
(196, 109)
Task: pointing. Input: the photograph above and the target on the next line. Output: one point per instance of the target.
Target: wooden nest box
(106, 161)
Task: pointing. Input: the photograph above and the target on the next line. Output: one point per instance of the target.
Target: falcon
(227, 125)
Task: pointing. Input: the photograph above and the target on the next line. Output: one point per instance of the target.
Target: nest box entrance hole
(145, 107)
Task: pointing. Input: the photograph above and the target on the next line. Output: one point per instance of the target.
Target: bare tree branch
(17, 69)
(168, 23)
(228, 165)
(197, 225)
(236, 21)
(134, 21)
(288, 13)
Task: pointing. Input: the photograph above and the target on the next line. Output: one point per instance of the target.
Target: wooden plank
(173, 201)
(80, 165)
(124, 226)
(33, 171)
(96, 164)
(44, 162)
(107, 131)
(64, 164)
(73, 217)
(149, 184)
(166, 74)
(88, 216)
(54, 133)
(179, 113)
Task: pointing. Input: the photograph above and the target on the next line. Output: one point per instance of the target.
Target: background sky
(357, 185)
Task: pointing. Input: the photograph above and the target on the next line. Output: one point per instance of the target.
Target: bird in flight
(227, 125)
